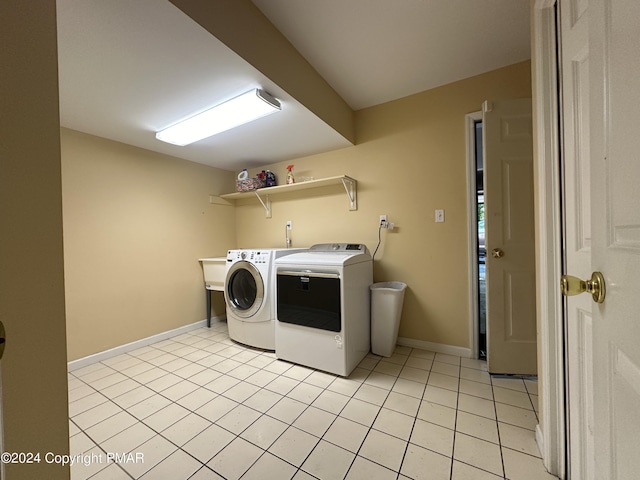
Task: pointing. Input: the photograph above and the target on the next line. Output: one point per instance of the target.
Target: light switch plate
(439, 216)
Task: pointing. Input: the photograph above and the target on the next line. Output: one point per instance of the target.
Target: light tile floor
(199, 406)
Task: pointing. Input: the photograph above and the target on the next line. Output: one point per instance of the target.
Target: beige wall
(135, 224)
(34, 369)
(410, 160)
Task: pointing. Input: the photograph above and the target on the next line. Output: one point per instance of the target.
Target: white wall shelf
(350, 187)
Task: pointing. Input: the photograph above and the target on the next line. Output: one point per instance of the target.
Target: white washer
(323, 307)
(249, 294)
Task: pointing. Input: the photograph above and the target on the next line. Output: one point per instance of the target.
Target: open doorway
(481, 248)
(477, 250)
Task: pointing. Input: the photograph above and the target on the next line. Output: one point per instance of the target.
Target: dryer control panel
(340, 247)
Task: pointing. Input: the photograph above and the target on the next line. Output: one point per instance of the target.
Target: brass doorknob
(595, 286)
(497, 253)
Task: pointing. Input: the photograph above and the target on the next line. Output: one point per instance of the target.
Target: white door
(614, 83)
(577, 242)
(509, 237)
(601, 81)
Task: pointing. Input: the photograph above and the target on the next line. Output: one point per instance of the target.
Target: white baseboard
(143, 342)
(435, 347)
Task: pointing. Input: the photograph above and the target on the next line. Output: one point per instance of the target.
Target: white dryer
(249, 293)
(323, 307)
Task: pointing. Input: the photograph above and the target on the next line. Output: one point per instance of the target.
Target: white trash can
(386, 308)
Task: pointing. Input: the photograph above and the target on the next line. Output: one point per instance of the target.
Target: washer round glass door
(245, 289)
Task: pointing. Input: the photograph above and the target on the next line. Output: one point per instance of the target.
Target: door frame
(472, 217)
(551, 433)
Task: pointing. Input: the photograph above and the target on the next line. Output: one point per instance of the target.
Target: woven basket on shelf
(249, 184)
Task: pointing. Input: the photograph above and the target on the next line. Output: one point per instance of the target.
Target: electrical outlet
(439, 216)
(383, 221)
(288, 224)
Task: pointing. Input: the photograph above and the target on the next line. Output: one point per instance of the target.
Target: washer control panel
(253, 256)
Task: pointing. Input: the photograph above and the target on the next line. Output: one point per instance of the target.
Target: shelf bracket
(217, 200)
(266, 204)
(350, 187)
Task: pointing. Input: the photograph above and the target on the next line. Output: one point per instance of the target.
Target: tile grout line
(495, 407)
(415, 419)
(376, 417)
(370, 426)
(101, 449)
(455, 427)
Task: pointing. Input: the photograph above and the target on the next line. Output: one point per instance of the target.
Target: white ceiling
(374, 51)
(128, 69)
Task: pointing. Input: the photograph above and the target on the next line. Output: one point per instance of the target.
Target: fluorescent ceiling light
(237, 111)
